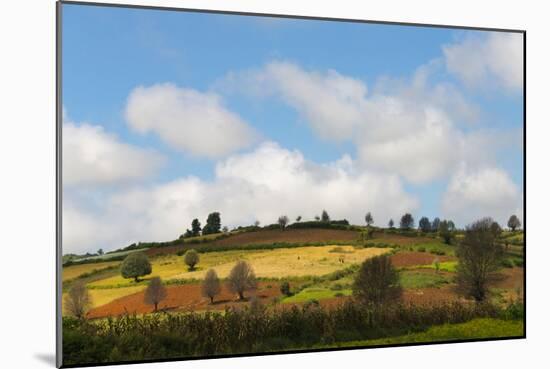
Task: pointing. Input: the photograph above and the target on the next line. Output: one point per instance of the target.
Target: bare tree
(155, 292)
(241, 279)
(211, 285)
(283, 221)
(78, 300)
(479, 255)
(377, 281)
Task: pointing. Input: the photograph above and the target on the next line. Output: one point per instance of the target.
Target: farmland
(319, 267)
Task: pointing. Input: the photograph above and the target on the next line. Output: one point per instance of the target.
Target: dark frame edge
(291, 16)
(58, 184)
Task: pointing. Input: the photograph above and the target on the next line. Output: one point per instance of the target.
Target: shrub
(241, 278)
(191, 258)
(211, 285)
(155, 292)
(422, 249)
(285, 288)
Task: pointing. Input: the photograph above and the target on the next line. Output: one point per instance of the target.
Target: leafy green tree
(213, 224)
(514, 223)
(390, 223)
(135, 265)
(424, 224)
(368, 219)
(191, 258)
(283, 221)
(195, 227)
(435, 224)
(211, 285)
(446, 232)
(241, 279)
(324, 216)
(100, 252)
(78, 300)
(479, 256)
(377, 282)
(407, 221)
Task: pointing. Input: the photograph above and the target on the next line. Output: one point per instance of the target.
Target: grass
(75, 271)
(104, 296)
(309, 294)
(445, 266)
(474, 329)
(417, 279)
(278, 263)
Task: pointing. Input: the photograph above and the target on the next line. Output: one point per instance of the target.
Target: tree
(514, 223)
(100, 252)
(285, 288)
(377, 281)
(451, 224)
(211, 285)
(195, 228)
(225, 229)
(368, 219)
(390, 223)
(155, 292)
(135, 265)
(324, 216)
(424, 224)
(479, 255)
(299, 218)
(407, 221)
(283, 221)
(241, 279)
(257, 223)
(435, 224)
(191, 258)
(213, 223)
(78, 300)
(317, 218)
(446, 232)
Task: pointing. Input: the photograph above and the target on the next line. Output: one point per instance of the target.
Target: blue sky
(472, 84)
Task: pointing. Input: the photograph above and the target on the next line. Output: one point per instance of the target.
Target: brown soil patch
(427, 296)
(185, 297)
(509, 278)
(267, 237)
(407, 259)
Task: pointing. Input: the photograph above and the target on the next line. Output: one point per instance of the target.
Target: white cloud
(403, 126)
(188, 120)
(92, 156)
(261, 184)
(473, 194)
(480, 60)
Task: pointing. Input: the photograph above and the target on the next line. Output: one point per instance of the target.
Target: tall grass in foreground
(256, 329)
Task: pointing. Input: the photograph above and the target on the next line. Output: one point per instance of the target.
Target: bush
(377, 282)
(422, 249)
(191, 258)
(285, 288)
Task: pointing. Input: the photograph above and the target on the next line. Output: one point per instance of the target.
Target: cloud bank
(188, 120)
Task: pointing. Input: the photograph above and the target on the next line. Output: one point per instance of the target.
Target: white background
(27, 192)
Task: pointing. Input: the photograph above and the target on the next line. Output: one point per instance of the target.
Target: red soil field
(269, 236)
(185, 297)
(407, 259)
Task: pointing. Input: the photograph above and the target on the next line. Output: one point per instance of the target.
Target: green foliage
(424, 224)
(446, 231)
(195, 228)
(135, 265)
(415, 280)
(213, 224)
(258, 330)
(514, 223)
(377, 281)
(479, 256)
(191, 258)
(407, 221)
(285, 289)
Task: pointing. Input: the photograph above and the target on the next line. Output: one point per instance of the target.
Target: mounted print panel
(243, 184)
